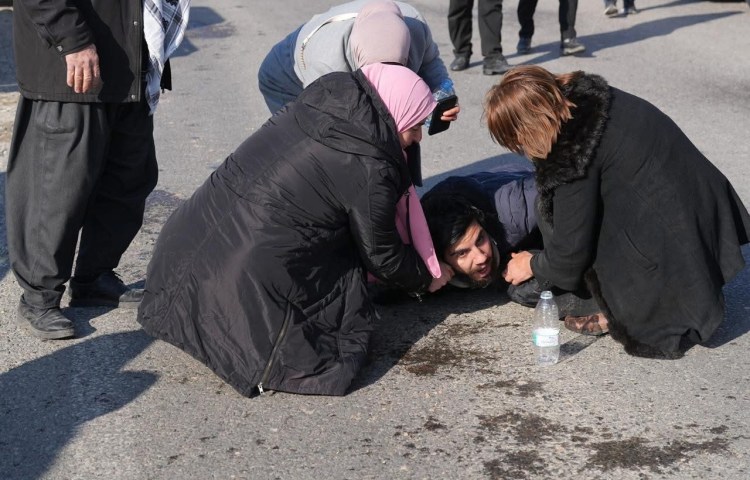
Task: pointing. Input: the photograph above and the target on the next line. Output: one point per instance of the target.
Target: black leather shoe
(571, 46)
(44, 323)
(495, 65)
(461, 62)
(524, 45)
(106, 291)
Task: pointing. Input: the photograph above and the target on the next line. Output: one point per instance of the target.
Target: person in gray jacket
(345, 38)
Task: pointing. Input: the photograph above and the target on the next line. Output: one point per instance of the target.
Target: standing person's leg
(459, 29)
(115, 212)
(490, 19)
(610, 7)
(569, 45)
(525, 12)
(628, 7)
(51, 174)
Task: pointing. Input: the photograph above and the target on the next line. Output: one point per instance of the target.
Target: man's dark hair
(449, 215)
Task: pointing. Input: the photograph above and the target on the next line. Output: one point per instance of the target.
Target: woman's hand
(519, 268)
(446, 273)
(451, 115)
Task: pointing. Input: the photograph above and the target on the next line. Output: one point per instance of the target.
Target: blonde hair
(526, 109)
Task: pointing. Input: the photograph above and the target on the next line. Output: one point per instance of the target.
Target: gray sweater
(323, 45)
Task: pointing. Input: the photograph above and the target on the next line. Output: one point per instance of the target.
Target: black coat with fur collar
(653, 227)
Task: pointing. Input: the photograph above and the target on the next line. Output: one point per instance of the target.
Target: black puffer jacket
(653, 227)
(45, 31)
(261, 273)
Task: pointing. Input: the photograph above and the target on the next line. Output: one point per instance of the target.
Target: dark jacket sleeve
(569, 247)
(58, 22)
(372, 217)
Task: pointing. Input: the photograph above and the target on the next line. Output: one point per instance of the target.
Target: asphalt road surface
(451, 390)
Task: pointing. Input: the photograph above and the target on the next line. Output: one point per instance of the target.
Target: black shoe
(571, 46)
(106, 291)
(526, 294)
(495, 65)
(524, 45)
(461, 62)
(44, 323)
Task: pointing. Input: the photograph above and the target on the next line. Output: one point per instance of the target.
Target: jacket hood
(579, 137)
(343, 111)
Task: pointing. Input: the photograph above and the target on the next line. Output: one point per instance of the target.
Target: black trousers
(75, 168)
(490, 20)
(566, 15)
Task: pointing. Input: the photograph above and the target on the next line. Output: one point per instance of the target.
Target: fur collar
(578, 139)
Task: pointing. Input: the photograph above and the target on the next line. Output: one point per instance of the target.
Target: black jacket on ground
(45, 31)
(261, 274)
(638, 211)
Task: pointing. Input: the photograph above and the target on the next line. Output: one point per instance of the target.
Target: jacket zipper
(274, 352)
(416, 295)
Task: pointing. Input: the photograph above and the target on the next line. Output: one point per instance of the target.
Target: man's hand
(83, 69)
(446, 273)
(519, 268)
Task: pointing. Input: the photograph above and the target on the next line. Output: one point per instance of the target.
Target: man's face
(472, 256)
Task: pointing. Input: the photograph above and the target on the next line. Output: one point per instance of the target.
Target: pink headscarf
(409, 101)
(379, 34)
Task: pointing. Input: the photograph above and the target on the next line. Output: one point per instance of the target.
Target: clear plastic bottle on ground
(546, 332)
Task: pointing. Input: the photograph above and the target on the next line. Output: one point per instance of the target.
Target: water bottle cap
(546, 294)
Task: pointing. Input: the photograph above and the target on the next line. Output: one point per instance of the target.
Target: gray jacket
(323, 45)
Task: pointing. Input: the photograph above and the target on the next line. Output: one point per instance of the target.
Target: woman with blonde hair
(630, 210)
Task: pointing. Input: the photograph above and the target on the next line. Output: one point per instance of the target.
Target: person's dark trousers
(525, 12)
(490, 20)
(75, 167)
(566, 15)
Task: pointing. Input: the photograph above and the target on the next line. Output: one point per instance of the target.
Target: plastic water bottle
(546, 333)
(444, 90)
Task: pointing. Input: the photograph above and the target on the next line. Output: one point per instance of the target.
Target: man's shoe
(461, 62)
(571, 46)
(524, 45)
(44, 323)
(610, 9)
(106, 291)
(495, 65)
(630, 10)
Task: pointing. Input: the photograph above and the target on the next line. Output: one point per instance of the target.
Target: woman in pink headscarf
(262, 273)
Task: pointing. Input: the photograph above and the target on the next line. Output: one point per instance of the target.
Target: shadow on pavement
(633, 34)
(44, 402)
(204, 22)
